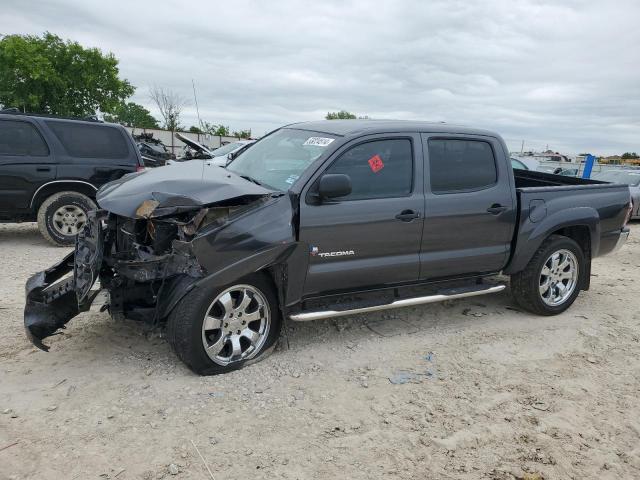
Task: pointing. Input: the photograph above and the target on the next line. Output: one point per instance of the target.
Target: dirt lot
(490, 392)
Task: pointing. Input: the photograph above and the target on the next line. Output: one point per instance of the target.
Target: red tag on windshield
(376, 163)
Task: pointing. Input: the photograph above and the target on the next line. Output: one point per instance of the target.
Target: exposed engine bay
(139, 259)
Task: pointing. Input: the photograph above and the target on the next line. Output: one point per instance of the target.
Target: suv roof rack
(16, 111)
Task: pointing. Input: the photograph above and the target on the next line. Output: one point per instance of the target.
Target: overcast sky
(563, 73)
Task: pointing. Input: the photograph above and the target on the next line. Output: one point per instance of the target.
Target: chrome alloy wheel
(236, 325)
(559, 277)
(69, 220)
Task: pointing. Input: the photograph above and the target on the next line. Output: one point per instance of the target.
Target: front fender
(259, 261)
(531, 234)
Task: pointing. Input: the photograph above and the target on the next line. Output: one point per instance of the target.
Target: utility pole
(522, 148)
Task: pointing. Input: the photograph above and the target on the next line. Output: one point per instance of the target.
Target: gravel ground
(488, 392)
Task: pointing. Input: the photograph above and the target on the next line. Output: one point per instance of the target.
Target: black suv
(51, 169)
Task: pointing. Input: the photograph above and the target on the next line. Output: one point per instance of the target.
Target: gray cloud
(566, 74)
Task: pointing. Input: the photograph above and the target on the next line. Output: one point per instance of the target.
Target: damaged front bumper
(50, 303)
(135, 277)
(56, 295)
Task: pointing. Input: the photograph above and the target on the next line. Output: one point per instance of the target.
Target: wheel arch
(271, 263)
(580, 224)
(582, 235)
(57, 186)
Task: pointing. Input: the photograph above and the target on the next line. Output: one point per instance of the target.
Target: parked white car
(218, 156)
(222, 154)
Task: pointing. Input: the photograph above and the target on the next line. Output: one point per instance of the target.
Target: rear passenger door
(25, 164)
(372, 236)
(470, 209)
(92, 152)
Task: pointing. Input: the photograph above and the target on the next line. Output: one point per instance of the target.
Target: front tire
(219, 330)
(62, 216)
(552, 279)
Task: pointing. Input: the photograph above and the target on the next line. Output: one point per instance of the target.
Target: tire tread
(42, 214)
(524, 284)
(189, 312)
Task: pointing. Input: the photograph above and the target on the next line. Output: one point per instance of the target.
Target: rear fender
(532, 234)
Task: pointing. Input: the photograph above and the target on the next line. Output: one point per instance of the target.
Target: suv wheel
(219, 330)
(62, 216)
(551, 281)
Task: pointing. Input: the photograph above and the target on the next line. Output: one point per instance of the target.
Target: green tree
(242, 134)
(629, 155)
(194, 129)
(132, 115)
(49, 75)
(341, 115)
(221, 131)
(213, 129)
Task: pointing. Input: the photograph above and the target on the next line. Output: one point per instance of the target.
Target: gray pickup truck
(323, 219)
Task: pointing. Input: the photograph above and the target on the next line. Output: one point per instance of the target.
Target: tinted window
(90, 141)
(378, 169)
(459, 165)
(21, 138)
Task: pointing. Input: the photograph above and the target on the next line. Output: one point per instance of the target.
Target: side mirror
(333, 185)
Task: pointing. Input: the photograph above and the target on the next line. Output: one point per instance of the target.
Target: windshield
(228, 148)
(618, 176)
(278, 160)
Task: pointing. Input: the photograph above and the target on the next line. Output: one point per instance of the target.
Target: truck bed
(531, 179)
(548, 203)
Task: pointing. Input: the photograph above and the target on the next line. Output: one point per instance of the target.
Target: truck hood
(198, 147)
(173, 189)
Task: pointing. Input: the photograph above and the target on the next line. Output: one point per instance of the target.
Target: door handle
(43, 169)
(496, 209)
(408, 215)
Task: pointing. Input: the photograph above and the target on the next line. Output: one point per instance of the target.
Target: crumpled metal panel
(51, 301)
(181, 187)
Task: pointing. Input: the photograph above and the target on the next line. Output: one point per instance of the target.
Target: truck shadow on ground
(95, 337)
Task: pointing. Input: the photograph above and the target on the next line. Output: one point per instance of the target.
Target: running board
(406, 302)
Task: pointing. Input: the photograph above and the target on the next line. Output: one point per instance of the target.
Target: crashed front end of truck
(139, 247)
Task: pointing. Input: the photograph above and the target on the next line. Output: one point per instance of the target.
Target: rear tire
(237, 324)
(548, 288)
(62, 215)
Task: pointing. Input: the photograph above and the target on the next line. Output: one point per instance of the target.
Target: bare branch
(170, 105)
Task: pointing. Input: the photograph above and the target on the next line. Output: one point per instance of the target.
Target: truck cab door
(470, 206)
(26, 163)
(370, 237)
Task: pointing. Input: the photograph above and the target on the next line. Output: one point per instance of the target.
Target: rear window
(21, 138)
(90, 141)
(461, 165)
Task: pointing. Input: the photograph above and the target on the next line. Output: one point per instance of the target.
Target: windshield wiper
(251, 179)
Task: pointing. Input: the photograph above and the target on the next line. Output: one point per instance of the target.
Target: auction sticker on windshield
(318, 141)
